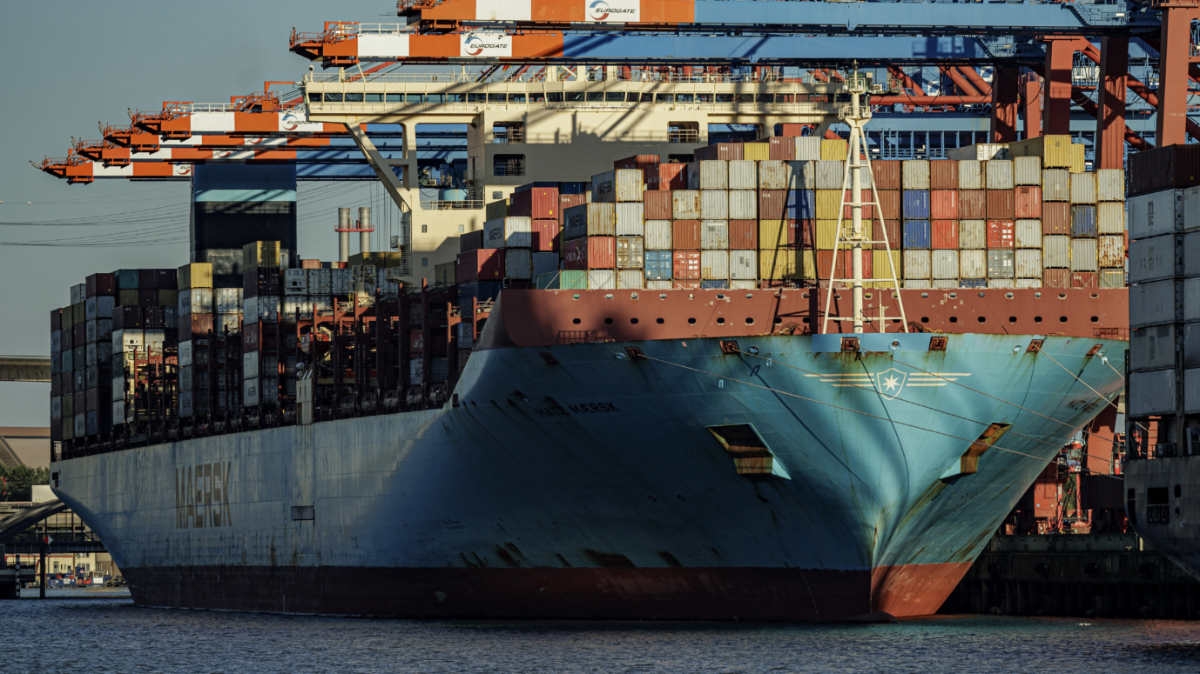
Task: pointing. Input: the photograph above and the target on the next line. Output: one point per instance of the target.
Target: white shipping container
(1000, 174)
(1056, 185)
(714, 264)
(631, 278)
(1084, 256)
(630, 219)
(508, 232)
(685, 205)
(1152, 258)
(295, 281)
(972, 263)
(1191, 299)
(918, 284)
(1027, 170)
(1152, 347)
(659, 285)
(1155, 213)
(808, 148)
(250, 392)
(228, 300)
(1110, 185)
(250, 362)
(972, 234)
(1151, 303)
(602, 279)
(1056, 251)
(773, 174)
(1000, 265)
(1028, 262)
(1001, 283)
(714, 204)
(293, 306)
(743, 205)
(1083, 188)
(743, 265)
(830, 174)
(743, 174)
(802, 175)
(979, 151)
(1110, 217)
(601, 219)
(630, 185)
(1029, 283)
(518, 263)
(743, 284)
(1191, 254)
(714, 235)
(1151, 392)
(714, 174)
(1028, 233)
(970, 174)
(944, 283)
(914, 174)
(658, 235)
(945, 264)
(917, 264)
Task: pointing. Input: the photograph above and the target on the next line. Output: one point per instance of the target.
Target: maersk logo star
(891, 382)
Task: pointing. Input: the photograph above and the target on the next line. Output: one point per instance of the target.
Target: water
(79, 631)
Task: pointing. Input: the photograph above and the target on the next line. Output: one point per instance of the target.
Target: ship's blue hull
(590, 480)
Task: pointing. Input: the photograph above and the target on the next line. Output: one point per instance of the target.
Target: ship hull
(588, 480)
(1170, 518)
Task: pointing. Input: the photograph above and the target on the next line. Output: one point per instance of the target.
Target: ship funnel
(343, 231)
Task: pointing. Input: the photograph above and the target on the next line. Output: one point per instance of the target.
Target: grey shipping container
(1151, 392)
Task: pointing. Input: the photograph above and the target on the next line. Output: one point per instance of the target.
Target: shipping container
(630, 219)
(686, 265)
(1056, 278)
(999, 174)
(943, 204)
(887, 265)
(1191, 299)
(1054, 149)
(808, 148)
(828, 203)
(536, 203)
(602, 279)
(1191, 254)
(970, 174)
(1001, 264)
(658, 235)
(604, 187)
(714, 235)
(834, 148)
(1001, 205)
(773, 233)
(1027, 201)
(1110, 218)
(915, 174)
(1083, 220)
(1056, 218)
(713, 174)
(972, 204)
(944, 234)
(1056, 251)
(1028, 234)
(782, 147)
(802, 175)
(475, 265)
(1028, 263)
(830, 175)
(972, 234)
(1110, 251)
(917, 234)
(593, 252)
(1112, 278)
(659, 265)
(887, 174)
(777, 264)
(1084, 255)
(1027, 171)
(945, 264)
(1157, 213)
(743, 205)
(915, 204)
(545, 234)
(685, 234)
(827, 234)
(743, 175)
(1152, 392)
(1163, 168)
(1110, 185)
(685, 204)
(630, 278)
(1001, 234)
(845, 260)
(743, 234)
(972, 264)
(1083, 188)
(918, 264)
(720, 151)
(1153, 258)
(631, 252)
(774, 175)
(943, 174)
(657, 206)
(508, 232)
(743, 265)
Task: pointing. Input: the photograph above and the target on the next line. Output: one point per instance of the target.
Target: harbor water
(99, 632)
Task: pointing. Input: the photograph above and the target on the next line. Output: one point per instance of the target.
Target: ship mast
(855, 115)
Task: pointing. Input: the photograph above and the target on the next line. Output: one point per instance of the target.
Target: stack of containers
(144, 345)
(1164, 291)
(972, 224)
(262, 292)
(56, 370)
(1027, 232)
(1084, 251)
(1110, 227)
(917, 235)
(197, 318)
(659, 264)
(1001, 223)
(943, 223)
(541, 203)
(99, 306)
(514, 234)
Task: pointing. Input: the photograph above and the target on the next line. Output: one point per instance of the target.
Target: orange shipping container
(743, 234)
(1085, 279)
(889, 203)
(887, 174)
(845, 260)
(545, 235)
(657, 205)
(672, 176)
(685, 235)
(1056, 278)
(686, 265)
(782, 148)
(792, 129)
(972, 204)
(1000, 205)
(945, 234)
(772, 204)
(943, 174)
(1001, 234)
(1056, 218)
(892, 228)
(801, 233)
(943, 204)
(1027, 202)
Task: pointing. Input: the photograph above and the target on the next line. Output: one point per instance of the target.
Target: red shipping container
(672, 176)
(868, 210)
(1001, 204)
(802, 233)
(887, 174)
(566, 201)
(482, 264)
(792, 130)
(945, 234)
(545, 235)
(943, 204)
(725, 151)
(1001, 233)
(686, 265)
(844, 265)
(593, 252)
(537, 203)
(1085, 279)
(1027, 201)
(308, 263)
(772, 205)
(1056, 218)
(782, 148)
(680, 284)
(1056, 278)
(743, 234)
(637, 161)
(685, 234)
(943, 174)
(100, 285)
(892, 228)
(657, 205)
(889, 203)
(972, 204)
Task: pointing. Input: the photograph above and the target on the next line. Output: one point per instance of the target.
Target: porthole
(720, 296)
(749, 320)
(1037, 319)
(608, 321)
(779, 319)
(575, 296)
(660, 321)
(576, 321)
(691, 320)
(633, 321)
(1007, 296)
(1062, 319)
(953, 296)
(982, 319)
(720, 320)
(1012, 319)
(1095, 319)
(924, 319)
(954, 319)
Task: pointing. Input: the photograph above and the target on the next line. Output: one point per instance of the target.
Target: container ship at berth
(641, 397)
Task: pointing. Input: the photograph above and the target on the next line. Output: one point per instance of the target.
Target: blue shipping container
(1083, 220)
(916, 234)
(658, 265)
(802, 205)
(127, 279)
(573, 188)
(714, 284)
(916, 205)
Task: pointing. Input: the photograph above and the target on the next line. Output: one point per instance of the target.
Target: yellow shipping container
(827, 231)
(1054, 149)
(828, 204)
(808, 264)
(777, 264)
(756, 151)
(167, 297)
(261, 254)
(195, 275)
(834, 148)
(881, 270)
(772, 233)
(1078, 161)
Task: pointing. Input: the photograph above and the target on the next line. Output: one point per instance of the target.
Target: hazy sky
(72, 64)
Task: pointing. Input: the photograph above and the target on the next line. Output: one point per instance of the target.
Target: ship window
(692, 320)
(633, 321)
(683, 98)
(425, 229)
(745, 98)
(1062, 319)
(576, 321)
(660, 321)
(508, 165)
(595, 96)
(608, 321)
(724, 98)
(477, 98)
(1158, 511)
(554, 97)
(615, 97)
(412, 98)
(1037, 319)
(683, 132)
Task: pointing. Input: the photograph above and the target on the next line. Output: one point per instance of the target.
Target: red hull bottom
(572, 593)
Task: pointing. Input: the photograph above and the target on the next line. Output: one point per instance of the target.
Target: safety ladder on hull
(855, 115)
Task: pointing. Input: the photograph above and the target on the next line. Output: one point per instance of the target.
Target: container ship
(640, 398)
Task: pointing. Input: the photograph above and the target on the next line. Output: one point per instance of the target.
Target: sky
(71, 65)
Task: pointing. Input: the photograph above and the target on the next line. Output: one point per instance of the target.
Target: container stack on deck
(749, 215)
